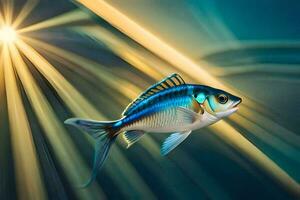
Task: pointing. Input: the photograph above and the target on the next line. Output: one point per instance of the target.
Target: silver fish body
(170, 106)
(161, 112)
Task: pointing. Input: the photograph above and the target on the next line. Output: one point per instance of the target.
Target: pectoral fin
(173, 141)
(186, 115)
(132, 136)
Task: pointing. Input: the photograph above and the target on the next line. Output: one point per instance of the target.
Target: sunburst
(8, 34)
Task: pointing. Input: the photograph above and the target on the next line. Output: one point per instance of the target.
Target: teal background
(251, 46)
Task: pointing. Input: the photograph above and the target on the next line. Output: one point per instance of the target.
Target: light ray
(28, 173)
(64, 19)
(64, 150)
(222, 129)
(96, 69)
(2, 21)
(149, 40)
(7, 6)
(133, 56)
(77, 103)
(26, 10)
(7, 178)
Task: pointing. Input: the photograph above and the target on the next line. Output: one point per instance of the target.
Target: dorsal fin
(170, 81)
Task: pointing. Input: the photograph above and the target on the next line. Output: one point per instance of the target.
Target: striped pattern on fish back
(162, 101)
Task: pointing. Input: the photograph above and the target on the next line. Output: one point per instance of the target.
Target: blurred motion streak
(62, 20)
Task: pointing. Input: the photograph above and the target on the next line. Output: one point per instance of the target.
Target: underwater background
(91, 58)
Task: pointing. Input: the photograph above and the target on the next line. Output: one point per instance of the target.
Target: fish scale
(157, 120)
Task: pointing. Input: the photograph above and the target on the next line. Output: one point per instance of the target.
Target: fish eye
(222, 98)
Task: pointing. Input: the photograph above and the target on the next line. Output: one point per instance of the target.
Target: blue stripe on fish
(166, 99)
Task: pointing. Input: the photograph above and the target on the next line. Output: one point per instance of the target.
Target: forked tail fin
(104, 133)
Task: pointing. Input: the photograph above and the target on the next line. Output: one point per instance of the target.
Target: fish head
(218, 103)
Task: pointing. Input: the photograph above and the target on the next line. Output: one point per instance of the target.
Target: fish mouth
(227, 112)
(230, 111)
(235, 104)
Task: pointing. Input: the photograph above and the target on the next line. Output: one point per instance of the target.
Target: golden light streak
(25, 11)
(125, 51)
(159, 47)
(2, 22)
(149, 40)
(28, 173)
(77, 103)
(66, 18)
(96, 69)
(2, 85)
(7, 6)
(73, 166)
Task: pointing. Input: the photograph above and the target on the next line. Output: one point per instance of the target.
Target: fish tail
(105, 133)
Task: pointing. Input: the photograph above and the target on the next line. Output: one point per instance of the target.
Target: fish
(169, 106)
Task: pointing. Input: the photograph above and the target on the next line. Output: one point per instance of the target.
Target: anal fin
(132, 136)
